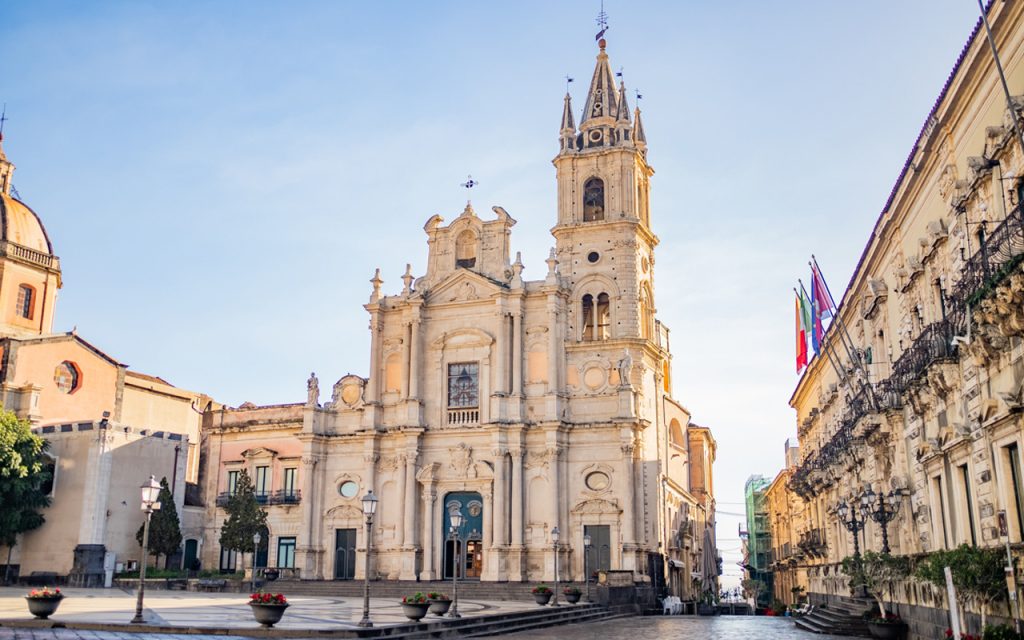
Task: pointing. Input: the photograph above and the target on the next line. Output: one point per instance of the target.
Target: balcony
(266, 498)
(463, 417)
(812, 543)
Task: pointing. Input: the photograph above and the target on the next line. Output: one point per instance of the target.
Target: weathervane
(602, 22)
(3, 119)
(469, 184)
(568, 80)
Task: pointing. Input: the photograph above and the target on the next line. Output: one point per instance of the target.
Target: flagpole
(832, 360)
(844, 335)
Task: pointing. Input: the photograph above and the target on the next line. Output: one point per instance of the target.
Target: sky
(220, 179)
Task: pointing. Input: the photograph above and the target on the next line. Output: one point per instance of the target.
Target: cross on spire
(470, 182)
(3, 119)
(602, 23)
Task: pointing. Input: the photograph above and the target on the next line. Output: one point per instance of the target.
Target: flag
(823, 305)
(801, 338)
(810, 316)
(600, 34)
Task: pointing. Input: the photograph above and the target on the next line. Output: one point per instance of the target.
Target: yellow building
(926, 406)
(108, 427)
(787, 557)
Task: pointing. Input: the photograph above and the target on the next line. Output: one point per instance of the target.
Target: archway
(470, 553)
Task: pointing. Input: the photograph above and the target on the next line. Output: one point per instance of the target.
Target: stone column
(429, 497)
(555, 516)
(517, 353)
(629, 509)
(406, 368)
(500, 514)
(501, 379)
(373, 385)
(517, 497)
(414, 357)
(306, 552)
(555, 349)
(407, 530)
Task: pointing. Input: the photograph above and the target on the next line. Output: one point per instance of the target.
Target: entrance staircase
(841, 617)
(468, 589)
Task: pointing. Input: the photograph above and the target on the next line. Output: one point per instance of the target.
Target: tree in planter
(977, 575)
(164, 528)
(876, 572)
(245, 517)
(25, 481)
(753, 589)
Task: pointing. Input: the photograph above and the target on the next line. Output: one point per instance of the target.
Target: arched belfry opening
(465, 249)
(593, 200)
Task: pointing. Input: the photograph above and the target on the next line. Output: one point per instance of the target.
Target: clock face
(463, 387)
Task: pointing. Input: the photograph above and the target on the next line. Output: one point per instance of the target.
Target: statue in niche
(313, 391)
(625, 369)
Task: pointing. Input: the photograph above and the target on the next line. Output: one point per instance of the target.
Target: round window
(348, 489)
(67, 377)
(598, 481)
(593, 256)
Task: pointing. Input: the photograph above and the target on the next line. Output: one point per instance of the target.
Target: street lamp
(883, 508)
(554, 543)
(586, 558)
(150, 493)
(853, 524)
(255, 550)
(369, 508)
(455, 525)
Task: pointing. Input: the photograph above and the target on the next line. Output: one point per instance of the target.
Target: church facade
(525, 405)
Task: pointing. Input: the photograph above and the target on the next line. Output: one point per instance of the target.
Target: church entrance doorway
(344, 554)
(600, 554)
(467, 556)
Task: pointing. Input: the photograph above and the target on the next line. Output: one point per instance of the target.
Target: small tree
(876, 572)
(244, 517)
(24, 477)
(164, 528)
(753, 589)
(977, 575)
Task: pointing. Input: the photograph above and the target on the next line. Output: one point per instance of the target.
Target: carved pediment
(463, 286)
(344, 512)
(259, 452)
(597, 506)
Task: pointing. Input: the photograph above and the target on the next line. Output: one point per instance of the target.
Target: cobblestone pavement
(679, 628)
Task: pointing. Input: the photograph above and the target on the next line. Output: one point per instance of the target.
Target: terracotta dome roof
(20, 224)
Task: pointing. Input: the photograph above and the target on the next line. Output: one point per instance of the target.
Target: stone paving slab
(229, 610)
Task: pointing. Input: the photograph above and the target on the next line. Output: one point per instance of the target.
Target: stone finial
(376, 281)
(552, 262)
(517, 271)
(407, 279)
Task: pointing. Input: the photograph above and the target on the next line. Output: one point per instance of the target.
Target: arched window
(646, 313)
(26, 300)
(465, 249)
(588, 317)
(593, 200)
(596, 315)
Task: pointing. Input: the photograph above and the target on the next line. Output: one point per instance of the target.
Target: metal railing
(267, 497)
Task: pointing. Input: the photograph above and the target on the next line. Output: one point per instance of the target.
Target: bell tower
(603, 237)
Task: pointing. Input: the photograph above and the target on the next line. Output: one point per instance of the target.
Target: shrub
(417, 598)
(541, 588)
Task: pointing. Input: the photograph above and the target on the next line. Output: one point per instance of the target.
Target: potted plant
(542, 594)
(572, 594)
(889, 626)
(415, 606)
(439, 602)
(43, 603)
(267, 608)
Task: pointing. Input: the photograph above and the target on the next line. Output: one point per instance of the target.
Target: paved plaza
(679, 627)
(224, 610)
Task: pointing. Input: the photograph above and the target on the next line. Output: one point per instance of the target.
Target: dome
(21, 225)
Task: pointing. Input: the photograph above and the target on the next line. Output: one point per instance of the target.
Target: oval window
(348, 489)
(68, 377)
(598, 481)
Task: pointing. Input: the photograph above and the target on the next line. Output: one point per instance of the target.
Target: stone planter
(542, 598)
(440, 607)
(268, 614)
(704, 609)
(43, 608)
(572, 598)
(890, 630)
(415, 611)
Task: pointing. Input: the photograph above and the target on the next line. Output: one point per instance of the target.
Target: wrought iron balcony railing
(268, 498)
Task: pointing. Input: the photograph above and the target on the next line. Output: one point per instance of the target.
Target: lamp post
(554, 543)
(369, 508)
(853, 524)
(150, 493)
(455, 525)
(255, 551)
(586, 559)
(883, 508)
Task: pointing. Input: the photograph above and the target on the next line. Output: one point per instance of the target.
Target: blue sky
(220, 179)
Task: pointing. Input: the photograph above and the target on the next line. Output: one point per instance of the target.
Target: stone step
(483, 626)
(832, 622)
(389, 589)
